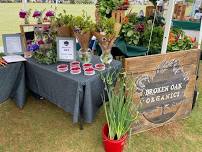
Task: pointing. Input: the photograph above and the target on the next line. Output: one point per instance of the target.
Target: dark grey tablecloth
(78, 94)
(12, 83)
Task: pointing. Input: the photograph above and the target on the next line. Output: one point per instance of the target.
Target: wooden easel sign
(165, 86)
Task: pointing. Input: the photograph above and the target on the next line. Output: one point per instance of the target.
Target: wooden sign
(165, 86)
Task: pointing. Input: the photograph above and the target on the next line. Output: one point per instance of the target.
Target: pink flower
(36, 14)
(40, 42)
(45, 28)
(22, 14)
(50, 13)
(139, 27)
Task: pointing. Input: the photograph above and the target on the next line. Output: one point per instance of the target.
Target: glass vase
(85, 55)
(106, 57)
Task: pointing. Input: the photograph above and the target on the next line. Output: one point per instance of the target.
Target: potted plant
(82, 29)
(106, 31)
(121, 112)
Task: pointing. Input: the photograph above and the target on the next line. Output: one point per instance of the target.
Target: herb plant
(105, 25)
(121, 110)
(63, 19)
(82, 23)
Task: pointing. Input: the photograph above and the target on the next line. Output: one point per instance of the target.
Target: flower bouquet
(106, 32)
(45, 46)
(38, 16)
(82, 26)
(25, 15)
(62, 24)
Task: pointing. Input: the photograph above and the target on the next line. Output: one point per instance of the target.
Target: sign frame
(20, 45)
(73, 40)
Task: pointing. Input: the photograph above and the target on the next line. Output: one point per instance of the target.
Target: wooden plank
(191, 69)
(150, 63)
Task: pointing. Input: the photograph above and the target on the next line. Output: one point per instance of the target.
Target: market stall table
(78, 94)
(12, 83)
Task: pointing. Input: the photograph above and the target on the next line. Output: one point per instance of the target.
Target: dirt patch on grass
(171, 130)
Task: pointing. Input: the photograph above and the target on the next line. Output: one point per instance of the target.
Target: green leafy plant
(130, 34)
(1, 54)
(48, 56)
(82, 23)
(156, 39)
(105, 25)
(107, 6)
(63, 19)
(120, 111)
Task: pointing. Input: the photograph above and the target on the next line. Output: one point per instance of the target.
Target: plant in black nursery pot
(121, 111)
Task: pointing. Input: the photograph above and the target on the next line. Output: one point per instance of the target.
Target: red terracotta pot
(112, 145)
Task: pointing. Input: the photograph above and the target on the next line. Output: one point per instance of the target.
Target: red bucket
(112, 145)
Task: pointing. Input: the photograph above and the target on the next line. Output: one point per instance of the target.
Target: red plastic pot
(112, 145)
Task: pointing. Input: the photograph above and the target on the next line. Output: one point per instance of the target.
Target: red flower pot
(112, 145)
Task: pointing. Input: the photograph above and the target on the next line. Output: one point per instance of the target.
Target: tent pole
(200, 37)
(24, 4)
(167, 25)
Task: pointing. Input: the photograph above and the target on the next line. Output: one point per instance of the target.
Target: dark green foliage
(156, 40)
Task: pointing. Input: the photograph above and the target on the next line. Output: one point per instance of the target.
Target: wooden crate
(118, 15)
(165, 86)
(179, 11)
(22, 30)
(149, 11)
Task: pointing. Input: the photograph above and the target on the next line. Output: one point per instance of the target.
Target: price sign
(66, 48)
